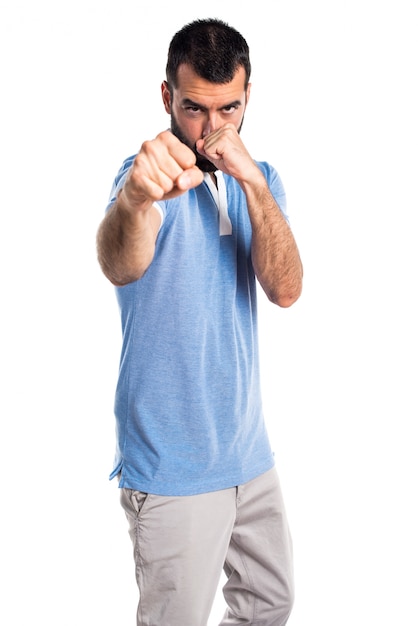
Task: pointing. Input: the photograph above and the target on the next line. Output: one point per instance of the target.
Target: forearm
(275, 255)
(164, 168)
(125, 243)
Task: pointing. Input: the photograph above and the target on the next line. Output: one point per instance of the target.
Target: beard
(202, 163)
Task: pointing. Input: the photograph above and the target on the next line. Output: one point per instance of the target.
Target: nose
(211, 124)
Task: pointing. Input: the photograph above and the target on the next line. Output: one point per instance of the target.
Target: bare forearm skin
(126, 243)
(164, 168)
(275, 255)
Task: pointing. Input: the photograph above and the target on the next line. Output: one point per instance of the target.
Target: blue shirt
(188, 406)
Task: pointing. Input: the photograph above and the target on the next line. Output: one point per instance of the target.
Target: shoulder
(126, 165)
(120, 179)
(269, 172)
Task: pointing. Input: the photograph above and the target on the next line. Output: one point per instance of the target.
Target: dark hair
(212, 48)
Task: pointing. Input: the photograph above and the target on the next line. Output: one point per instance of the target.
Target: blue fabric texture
(188, 408)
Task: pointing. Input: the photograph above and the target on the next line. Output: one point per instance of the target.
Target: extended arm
(164, 168)
(126, 239)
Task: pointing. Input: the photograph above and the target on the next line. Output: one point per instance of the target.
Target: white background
(334, 108)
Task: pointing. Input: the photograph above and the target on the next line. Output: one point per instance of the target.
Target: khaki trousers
(181, 544)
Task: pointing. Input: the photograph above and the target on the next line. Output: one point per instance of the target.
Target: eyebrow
(190, 103)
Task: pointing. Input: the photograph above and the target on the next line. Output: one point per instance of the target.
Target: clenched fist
(164, 168)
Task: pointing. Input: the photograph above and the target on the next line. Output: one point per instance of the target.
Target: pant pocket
(132, 501)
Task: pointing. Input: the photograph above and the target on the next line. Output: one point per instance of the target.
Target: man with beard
(193, 222)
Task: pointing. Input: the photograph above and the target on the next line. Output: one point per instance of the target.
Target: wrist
(254, 182)
(127, 204)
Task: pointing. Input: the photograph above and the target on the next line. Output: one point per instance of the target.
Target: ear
(247, 93)
(165, 92)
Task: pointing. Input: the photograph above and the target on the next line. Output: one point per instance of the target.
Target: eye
(231, 108)
(192, 109)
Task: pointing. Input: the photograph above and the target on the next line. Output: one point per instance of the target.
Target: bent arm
(274, 252)
(275, 255)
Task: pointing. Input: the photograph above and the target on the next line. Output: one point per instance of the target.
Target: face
(198, 107)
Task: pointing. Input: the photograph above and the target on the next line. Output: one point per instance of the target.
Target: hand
(225, 149)
(164, 168)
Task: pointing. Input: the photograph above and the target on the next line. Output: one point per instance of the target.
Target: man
(192, 222)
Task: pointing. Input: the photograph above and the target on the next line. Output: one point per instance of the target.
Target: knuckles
(168, 146)
(159, 164)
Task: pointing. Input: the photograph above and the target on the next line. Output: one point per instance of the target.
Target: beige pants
(182, 543)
